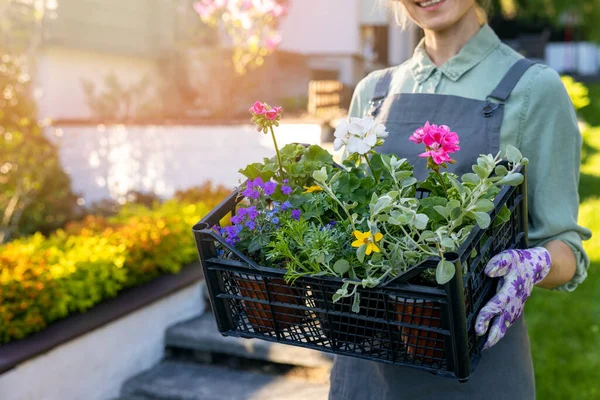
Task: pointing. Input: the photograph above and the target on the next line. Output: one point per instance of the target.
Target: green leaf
(482, 219)
(317, 154)
(360, 253)
(502, 217)
(459, 186)
(258, 242)
(320, 175)
(377, 166)
(347, 183)
(255, 170)
(470, 178)
(484, 205)
(511, 180)
(444, 272)
(356, 302)
(455, 213)
(513, 154)
(481, 172)
(421, 221)
(406, 182)
(341, 266)
(336, 297)
(473, 253)
(442, 211)
(501, 170)
(448, 244)
(452, 204)
(382, 203)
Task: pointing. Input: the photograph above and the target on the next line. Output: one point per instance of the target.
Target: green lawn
(565, 327)
(591, 113)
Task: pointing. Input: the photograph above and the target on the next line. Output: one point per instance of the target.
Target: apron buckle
(490, 107)
(375, 106)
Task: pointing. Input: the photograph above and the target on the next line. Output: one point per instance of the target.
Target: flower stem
(278, 155)
(369, 164)
(437, 171)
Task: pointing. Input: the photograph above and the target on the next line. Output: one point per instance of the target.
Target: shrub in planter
(43, 279)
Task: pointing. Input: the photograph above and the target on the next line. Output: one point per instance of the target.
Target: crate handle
(205, 231)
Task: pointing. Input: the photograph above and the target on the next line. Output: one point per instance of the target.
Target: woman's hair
(402, 19)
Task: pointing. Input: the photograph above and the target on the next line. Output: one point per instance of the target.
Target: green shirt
(539, 119)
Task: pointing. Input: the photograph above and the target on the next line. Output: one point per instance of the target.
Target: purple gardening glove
(519, 271)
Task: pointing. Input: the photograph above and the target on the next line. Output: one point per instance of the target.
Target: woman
(461, 75)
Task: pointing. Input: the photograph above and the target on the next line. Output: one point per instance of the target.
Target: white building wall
(59, 75)
(322, 27)
(108, 161)
(372, 12)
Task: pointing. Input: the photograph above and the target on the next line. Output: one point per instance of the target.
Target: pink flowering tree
(252, 25)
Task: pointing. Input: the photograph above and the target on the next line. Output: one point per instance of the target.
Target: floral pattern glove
(519, 271)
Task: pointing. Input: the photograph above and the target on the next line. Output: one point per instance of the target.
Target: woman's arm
(550, 138)
(564, 265)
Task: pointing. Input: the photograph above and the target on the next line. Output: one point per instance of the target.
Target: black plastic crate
(401, 323)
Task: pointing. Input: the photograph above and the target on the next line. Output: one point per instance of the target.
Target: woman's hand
(519, 271)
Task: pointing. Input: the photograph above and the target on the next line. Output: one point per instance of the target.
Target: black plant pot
(351, 328)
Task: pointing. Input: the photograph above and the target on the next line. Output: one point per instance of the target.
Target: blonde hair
(397, 8)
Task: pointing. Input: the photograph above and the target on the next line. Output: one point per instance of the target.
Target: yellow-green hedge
(46, 278)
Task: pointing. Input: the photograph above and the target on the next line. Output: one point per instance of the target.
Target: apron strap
(381, 91)
(510, 80)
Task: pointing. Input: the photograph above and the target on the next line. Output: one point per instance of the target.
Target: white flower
(341, 135)
(359, 135)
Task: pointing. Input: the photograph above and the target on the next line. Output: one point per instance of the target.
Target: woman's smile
(430, 5)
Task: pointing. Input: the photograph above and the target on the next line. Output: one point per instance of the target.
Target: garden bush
(43, 279)
(35, 191)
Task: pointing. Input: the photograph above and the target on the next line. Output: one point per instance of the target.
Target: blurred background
(122, 122)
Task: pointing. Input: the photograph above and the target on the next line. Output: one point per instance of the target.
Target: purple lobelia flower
(518, 271)
(286, 206)
(258, 182)
(251, 193)
(285, 189)
(269, 188)
(296, 214)
(252, 213)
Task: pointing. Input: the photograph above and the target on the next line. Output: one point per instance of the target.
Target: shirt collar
(471, 54)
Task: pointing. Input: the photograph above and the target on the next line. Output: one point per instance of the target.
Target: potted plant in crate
(347, 231)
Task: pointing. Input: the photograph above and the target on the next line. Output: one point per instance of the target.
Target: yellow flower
(368, 239)
(312, 189)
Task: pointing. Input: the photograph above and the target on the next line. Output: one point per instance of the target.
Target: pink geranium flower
(258, 108)
(272, 114)
(439, 141)
(417, 136)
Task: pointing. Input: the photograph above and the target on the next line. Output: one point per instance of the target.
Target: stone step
(201, 335)
(175, 380)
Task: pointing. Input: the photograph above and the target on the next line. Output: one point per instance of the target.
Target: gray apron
(506, 370)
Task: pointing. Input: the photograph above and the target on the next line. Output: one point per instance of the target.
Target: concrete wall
(60, 71)
(94, 366)
(108, 161)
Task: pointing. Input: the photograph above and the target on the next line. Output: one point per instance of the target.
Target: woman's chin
(437, 24)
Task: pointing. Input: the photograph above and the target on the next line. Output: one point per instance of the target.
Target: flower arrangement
(361, 221)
